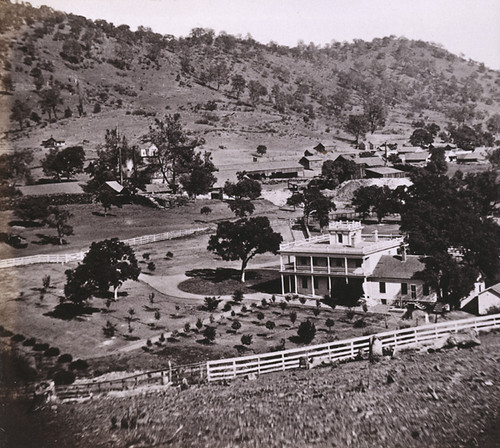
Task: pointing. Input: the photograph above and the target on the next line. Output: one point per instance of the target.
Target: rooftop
(321, 245)
(48, 189)
(390, 266)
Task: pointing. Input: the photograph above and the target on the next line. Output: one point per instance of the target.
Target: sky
(467, 27)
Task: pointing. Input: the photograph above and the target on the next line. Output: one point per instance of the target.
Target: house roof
(384, 170)
(319, 147)
(114, 185)
(229, 172)
(495, 289)
(369, 161)
(392, 266)
(416, 156)
(468, 156)
(407, 149)
(48, 189)
(312, 158)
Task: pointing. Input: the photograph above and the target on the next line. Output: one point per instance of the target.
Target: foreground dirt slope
(447, 399)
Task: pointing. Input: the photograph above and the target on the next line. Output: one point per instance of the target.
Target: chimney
(403, 252)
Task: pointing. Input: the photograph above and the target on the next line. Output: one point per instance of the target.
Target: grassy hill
(293, 97)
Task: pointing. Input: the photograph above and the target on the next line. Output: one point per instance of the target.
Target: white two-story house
(348, 265)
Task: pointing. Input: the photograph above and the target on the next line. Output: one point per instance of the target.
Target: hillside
(235, 92)
(447, 399)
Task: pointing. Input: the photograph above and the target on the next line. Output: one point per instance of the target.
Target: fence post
(258, 365)
(208, 371)
(234, 369)
(283, 361)
(352, 349)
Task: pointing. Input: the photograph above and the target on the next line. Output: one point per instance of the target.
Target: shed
(415, 158)
(469, 157)
(52, 143)
(483, 301)
(384, 172)
(320, 148)
(311, 162)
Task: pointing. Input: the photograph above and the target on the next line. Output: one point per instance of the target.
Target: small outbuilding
(484, 301)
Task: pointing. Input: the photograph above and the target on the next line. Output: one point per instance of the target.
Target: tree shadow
(217, 275)
(23, 223)
(47, 239)
(15, 241)
(102, 214)
(69, 311)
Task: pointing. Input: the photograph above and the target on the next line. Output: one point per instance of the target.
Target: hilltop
(235, 92)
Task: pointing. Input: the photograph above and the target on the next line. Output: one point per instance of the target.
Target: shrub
(187, 327)
(246, 339)
(41, 347)
(264, 303)
(260, 315)
(18, 338)
(316, 311)
(227, 307)
(169, 255)
(65, 358)
(350, 313)
(149, 343)
(306, 331)
(302, 300)
(329, 323)
(97, 108)
(79, 364)
(283, 306)
(244, 309)
(205, 210)
(236, 325)
(293, 317)
(238, 295)
(146, 256)
(162, 338)
(63, 377)
(52, 351)
(270, 325)
(209, 333)
(211, 303)
(109, 330)
(199, 323)
(360, 323)
(151, 266)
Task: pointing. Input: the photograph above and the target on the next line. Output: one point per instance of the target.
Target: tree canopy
(108, 263)
(243, 239)
(64, 163)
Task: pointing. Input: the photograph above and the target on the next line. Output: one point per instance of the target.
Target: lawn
(89, 224)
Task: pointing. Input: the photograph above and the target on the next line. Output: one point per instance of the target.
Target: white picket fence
(341, 350)
(78, 256)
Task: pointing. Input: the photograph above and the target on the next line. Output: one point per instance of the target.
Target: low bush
(63, 377)
(306, 331)
(66, 357)
(18, 338)
(209, 333)
(52, 351)
(79, 364)
(246, 339)
(40, 347)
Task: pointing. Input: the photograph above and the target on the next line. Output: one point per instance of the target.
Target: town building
(345, 263)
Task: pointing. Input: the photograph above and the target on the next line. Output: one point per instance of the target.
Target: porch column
(312, 285)
(329, 284)
(328, 264)
(281, 263)
(296, 281)
(345, 266)
(312, 266)
(282, 284)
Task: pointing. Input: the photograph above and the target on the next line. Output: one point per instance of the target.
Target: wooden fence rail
(341, 350)
(78, 256)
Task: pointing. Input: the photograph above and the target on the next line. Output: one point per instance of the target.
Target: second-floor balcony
(330, 270)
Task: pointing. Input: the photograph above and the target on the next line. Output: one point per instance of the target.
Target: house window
(359, 263)
(304, 282)
(316, 282)
(340, 237)
(413, 289)
(426, 290)
(381, 287)
(303, 261)
(404, 289)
